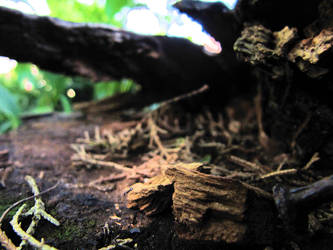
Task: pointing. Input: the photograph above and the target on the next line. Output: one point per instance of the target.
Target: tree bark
(166, 65)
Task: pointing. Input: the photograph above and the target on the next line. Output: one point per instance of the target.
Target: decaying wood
(152, 197)
(205, 207)
(289, 55)
(259, 46)
(310, 55)
(293, 64)
(262, 43)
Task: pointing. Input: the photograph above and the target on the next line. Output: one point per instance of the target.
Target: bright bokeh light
(21, 6)
(229, 3)
(27, 85)
(34, 70)
(6, 64)
(39, 7)
(71, 93)
(145, 21)
(160, 7)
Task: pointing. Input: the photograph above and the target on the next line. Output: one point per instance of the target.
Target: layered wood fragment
(152, 197)
(311, 55)
(205, 207)
(260, 45)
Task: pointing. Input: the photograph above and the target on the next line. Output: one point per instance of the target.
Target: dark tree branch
(99, 52)
(222, 24)
(216, 18)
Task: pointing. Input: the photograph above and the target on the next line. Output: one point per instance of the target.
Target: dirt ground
(90, 199)
(89, 218)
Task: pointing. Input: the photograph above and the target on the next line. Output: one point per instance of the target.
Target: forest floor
(95, 161)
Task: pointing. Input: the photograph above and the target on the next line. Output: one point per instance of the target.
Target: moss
(69, 231)
(6, 202)
(91, 223)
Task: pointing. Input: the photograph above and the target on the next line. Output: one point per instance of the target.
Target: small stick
(262, 136)
(313, 159)
(105, 164)
(281, 165)
(24, 200)
(244, 163)
(279, 173)
(6, 242)
(257, 190)
(155, 138)
(300, 130)
(185, 96)
(5, 176)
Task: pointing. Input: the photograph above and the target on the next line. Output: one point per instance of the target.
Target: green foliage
(9, 110)
(104, 89)
(35, 90)
(72, 10)
(29, 90)
(112, 7)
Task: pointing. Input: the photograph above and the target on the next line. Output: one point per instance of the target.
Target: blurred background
(26, 90)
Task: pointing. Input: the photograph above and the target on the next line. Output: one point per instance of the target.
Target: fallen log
(160, 64)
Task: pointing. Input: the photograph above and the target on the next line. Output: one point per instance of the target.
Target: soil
(90, 201)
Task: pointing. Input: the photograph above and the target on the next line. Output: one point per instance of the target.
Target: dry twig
(246, 164)
(154, 138)
(257, 190)
(278, 173)
(82, 157)
(6, 242)
(300, 130)
(262, 136)
(5, 175)
(313, 159)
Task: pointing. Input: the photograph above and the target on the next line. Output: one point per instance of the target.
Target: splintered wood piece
(207, 207)
(151, 197)
(307, 54)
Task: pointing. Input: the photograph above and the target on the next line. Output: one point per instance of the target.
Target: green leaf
(104, 89)
(112, 7)
(5, 126)
(8, 105)
(74, 11)
(65, 103)
(39, 110)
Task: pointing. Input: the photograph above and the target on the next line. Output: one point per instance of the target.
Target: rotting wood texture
(205, 207)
